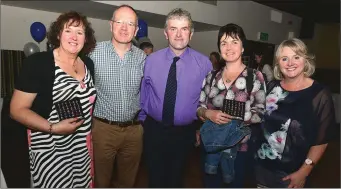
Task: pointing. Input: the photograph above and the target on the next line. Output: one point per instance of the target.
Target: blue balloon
(38, 31)
(143, 29)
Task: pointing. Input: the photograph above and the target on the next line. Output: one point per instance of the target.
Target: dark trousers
(166, 150)
(243, 166)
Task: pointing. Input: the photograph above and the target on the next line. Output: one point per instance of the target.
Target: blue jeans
(217, 138)
(226, 160)
(242, 166)
(220, 144)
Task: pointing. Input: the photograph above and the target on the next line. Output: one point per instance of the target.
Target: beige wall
(205, 42)
(16, 22)
(326, 45)
(252, 16)
(164, 7)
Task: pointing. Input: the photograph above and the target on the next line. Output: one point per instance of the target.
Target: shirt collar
(111, 46)
(170, 54)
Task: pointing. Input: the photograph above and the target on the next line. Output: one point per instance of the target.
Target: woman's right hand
(218, 117)
(67, 126)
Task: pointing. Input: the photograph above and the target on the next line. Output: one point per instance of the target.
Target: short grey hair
(179, 13)
(300, 49)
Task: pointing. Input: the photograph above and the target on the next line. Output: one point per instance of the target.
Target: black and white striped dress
(65, 161)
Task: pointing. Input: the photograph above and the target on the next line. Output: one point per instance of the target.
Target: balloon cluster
(38, 33)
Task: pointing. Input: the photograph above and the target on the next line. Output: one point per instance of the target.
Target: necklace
(227, 79)
(74, 66)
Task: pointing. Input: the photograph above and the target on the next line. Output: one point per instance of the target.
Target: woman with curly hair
(53, 98)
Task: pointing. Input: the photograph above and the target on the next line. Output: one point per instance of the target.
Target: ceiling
(319, 11)
(99, 10)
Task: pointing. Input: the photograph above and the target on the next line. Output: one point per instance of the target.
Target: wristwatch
(309, 162)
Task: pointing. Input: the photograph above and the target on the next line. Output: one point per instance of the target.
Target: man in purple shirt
(170, 91)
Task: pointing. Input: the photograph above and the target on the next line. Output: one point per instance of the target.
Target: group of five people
(133, 103)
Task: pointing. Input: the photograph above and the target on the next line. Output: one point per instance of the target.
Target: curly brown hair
(76, 19)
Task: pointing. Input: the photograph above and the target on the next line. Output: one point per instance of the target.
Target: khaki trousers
(116, 150)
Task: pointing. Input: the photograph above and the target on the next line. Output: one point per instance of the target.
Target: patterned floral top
(212, 97)
(294, 121)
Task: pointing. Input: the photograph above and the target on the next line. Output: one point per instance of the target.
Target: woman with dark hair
(241, 87)
(263, 67)
(53, 98)
(216, 60)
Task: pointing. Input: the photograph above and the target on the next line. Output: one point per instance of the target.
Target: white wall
(164, 7)
(253, 17)
(16, 22)
(157, 37)
(205, 42)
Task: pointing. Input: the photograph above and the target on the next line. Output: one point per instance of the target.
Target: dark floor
(15, 161)
(326, 174)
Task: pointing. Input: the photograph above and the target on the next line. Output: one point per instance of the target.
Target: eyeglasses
(120, 23)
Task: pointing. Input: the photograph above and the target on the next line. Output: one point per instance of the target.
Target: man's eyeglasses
(120, 23)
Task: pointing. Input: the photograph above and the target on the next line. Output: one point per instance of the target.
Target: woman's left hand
(297, 179)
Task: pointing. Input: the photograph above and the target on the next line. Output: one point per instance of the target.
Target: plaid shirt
(117, 81)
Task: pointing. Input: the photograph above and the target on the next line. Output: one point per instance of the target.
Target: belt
(120, 124)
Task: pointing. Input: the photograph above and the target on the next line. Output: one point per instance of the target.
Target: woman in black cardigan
(51, 88)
